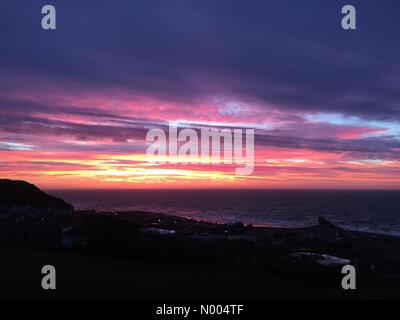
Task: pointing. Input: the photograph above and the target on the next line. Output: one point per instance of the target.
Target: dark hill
(21, 193)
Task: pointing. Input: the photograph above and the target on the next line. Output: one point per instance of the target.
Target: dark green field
(85, 277)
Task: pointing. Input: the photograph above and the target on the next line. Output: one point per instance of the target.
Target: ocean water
(374, 211)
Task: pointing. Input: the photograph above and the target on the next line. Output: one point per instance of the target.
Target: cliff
(14, 193)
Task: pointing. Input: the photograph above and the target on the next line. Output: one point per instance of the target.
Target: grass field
(88, 277)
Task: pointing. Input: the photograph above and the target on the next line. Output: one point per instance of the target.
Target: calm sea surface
(377, 211)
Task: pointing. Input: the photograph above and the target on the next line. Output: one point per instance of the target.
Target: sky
(76, 102)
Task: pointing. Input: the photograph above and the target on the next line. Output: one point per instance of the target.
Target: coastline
(143, 255)
(301, 258)
(367, 211)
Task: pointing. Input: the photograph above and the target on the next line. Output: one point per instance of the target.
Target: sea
(371, 211)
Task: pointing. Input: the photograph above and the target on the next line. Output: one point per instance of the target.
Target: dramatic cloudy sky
(76, 103)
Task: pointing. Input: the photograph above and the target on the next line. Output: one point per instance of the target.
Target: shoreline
(356, 210)
(252, 261)
(307, 260)
(368, 230)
